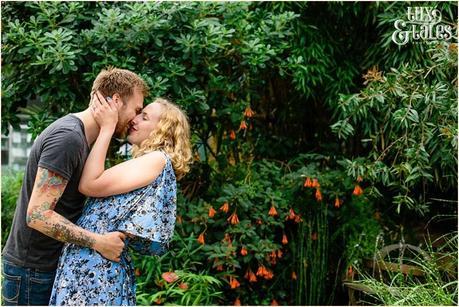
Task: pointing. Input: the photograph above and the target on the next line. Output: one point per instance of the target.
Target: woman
(137, 197)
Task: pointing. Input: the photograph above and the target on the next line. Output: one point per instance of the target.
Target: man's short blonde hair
(114, 80)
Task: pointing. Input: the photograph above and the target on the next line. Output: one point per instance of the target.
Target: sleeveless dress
(84, 277)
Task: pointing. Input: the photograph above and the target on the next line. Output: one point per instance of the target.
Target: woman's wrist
(107, 129)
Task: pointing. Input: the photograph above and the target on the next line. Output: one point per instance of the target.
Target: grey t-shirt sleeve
(60, 153)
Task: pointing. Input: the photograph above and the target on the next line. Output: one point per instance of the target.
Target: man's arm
(47, 190)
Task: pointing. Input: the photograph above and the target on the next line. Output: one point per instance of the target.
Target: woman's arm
(95, 180)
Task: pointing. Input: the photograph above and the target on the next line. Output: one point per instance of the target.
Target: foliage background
(333, 99)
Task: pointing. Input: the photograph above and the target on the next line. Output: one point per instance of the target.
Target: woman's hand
(105, 112)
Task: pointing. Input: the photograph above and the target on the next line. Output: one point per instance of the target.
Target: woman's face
(144, 123)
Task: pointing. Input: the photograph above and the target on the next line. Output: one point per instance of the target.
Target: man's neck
(91, 128)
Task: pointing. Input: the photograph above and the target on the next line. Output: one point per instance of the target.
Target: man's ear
(118, 102)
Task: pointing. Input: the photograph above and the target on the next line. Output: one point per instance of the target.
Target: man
(50, 203)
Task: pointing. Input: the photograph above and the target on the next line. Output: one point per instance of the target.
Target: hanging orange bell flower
(237, 302)
(233, 219)
(307, 182)
(337, 202)
(272, 211)
(212, 212)
(248, 112)
(273, 254)
(359, 179)
(259, 222)
(219, 267)
(268, 274)
(252, 277)
(243, 251)
(243, 125)
(284, 239)
(261, 270)
(225, 207)
(274, 303)
(279, 253)
(318, 195)
(232, 135)
(314, 236)
(294, 275)
(315, 183)
(350, 272)
(291, 214)
(234, 283)
(357, 190)
(298, 219)
(201, 238)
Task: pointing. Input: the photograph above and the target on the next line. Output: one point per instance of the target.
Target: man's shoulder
(69, 128)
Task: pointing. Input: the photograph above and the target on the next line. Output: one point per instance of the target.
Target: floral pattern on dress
(84, 277)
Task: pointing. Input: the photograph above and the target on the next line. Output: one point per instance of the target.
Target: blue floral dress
(84, 277)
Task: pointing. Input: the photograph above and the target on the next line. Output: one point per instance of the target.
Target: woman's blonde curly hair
(172, 135)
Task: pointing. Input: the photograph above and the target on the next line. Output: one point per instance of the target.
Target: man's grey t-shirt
(61, 148)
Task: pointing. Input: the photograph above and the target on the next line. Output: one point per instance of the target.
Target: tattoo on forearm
(55, 225)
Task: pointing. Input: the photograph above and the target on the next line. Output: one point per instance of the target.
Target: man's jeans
(25, 286)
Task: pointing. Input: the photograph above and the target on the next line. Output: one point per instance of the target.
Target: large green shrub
(11, 187)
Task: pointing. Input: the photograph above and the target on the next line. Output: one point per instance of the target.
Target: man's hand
(111, 245)
(105, 112)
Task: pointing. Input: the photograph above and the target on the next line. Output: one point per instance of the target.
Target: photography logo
(423, 24)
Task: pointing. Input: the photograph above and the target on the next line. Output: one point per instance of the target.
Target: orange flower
(318, 195)
(201, 238)
(183, 286)
(219, 267)
(259, 222)
(357, 190)
(261, 270)
(314, 236)
(359, 179)
(232, 135)
(272, 211)
(225, 207)
(298, 219)
(284, 239)
(268, 274)
(237, 302)
(212, 211)
(243, 251)
(170, 277)
(294, 275)
(307, 182)
(243, 125)
(252, 277)
(137, 272)
(248, 112)
(274, 303)
(234, 283)
(291, 214)
(279, 253)
(337, 202)
(233, 219)
(315, 183)
(350, 272)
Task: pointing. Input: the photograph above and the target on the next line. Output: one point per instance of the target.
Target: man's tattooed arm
(41, 216)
